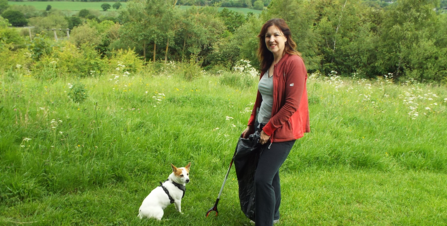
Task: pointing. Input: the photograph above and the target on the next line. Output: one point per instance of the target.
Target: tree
(3, 5)
(301, 27)
(232, 19)
(117, 5)
(10, 36)
(83, 13)
(106, 6)
(73, 21)
(200, 41)
(55, 20)
(16, 18)
(27, 10)
(259, 5)
(4, 23)
(48, 7)
(148, 23)
(85, 34)
(406, 29)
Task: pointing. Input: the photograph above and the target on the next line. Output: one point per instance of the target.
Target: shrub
(192, 70)
(125, 61)
(106, 6)
(85, 34)
(27, 10)
(11, 36)
(14, 60)
(259, 5)
(78, 93)
(68, 60)
(47, 24)
(3, 5)
(84, 13)
(73, 21)
(46, 68)
(117, 5)
(39, 47)
(16, 18)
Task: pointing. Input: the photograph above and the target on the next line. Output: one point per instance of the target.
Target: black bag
(245, 162)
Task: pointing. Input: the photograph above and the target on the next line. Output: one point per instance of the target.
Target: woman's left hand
(264, 138)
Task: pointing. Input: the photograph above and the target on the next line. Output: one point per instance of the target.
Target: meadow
(88, 151)
(77, 6)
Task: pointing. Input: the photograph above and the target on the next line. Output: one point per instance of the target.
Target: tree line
(404, 39)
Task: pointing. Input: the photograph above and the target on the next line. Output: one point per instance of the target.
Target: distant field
(76, 6)
(67, 5)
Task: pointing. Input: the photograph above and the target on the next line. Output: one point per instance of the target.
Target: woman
(280, 111)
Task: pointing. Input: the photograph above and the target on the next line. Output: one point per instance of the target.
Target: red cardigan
(290, 111)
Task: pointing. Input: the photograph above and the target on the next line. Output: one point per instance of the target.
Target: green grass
(76, 6)
(366, 161)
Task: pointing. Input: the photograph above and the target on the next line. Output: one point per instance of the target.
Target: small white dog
(170, 191)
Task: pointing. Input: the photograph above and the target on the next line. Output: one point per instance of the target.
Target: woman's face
(275, 40)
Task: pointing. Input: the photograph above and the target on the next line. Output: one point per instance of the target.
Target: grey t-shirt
(265, 87)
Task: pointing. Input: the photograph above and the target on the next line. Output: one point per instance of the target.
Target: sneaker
(274, 221)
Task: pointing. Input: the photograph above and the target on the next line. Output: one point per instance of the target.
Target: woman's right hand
(249, 130)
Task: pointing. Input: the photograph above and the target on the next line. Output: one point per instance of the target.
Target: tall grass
(376, 154)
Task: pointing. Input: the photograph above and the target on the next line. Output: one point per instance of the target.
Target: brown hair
(264, 55)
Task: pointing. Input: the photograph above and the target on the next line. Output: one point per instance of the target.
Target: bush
(39, 47)
(106, 6)
(78, 93)
(3, 5)
(73, 21)
(27, 10)
(84, 34)
(16, 18)
(192, 70)
(13, 59)
(84, 13)
(68, 60)
(117, 5)
(259, 5)
(125, 61)
(11, 36)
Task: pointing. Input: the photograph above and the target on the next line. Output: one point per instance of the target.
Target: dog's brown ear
(188, 166)
(173, 168)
